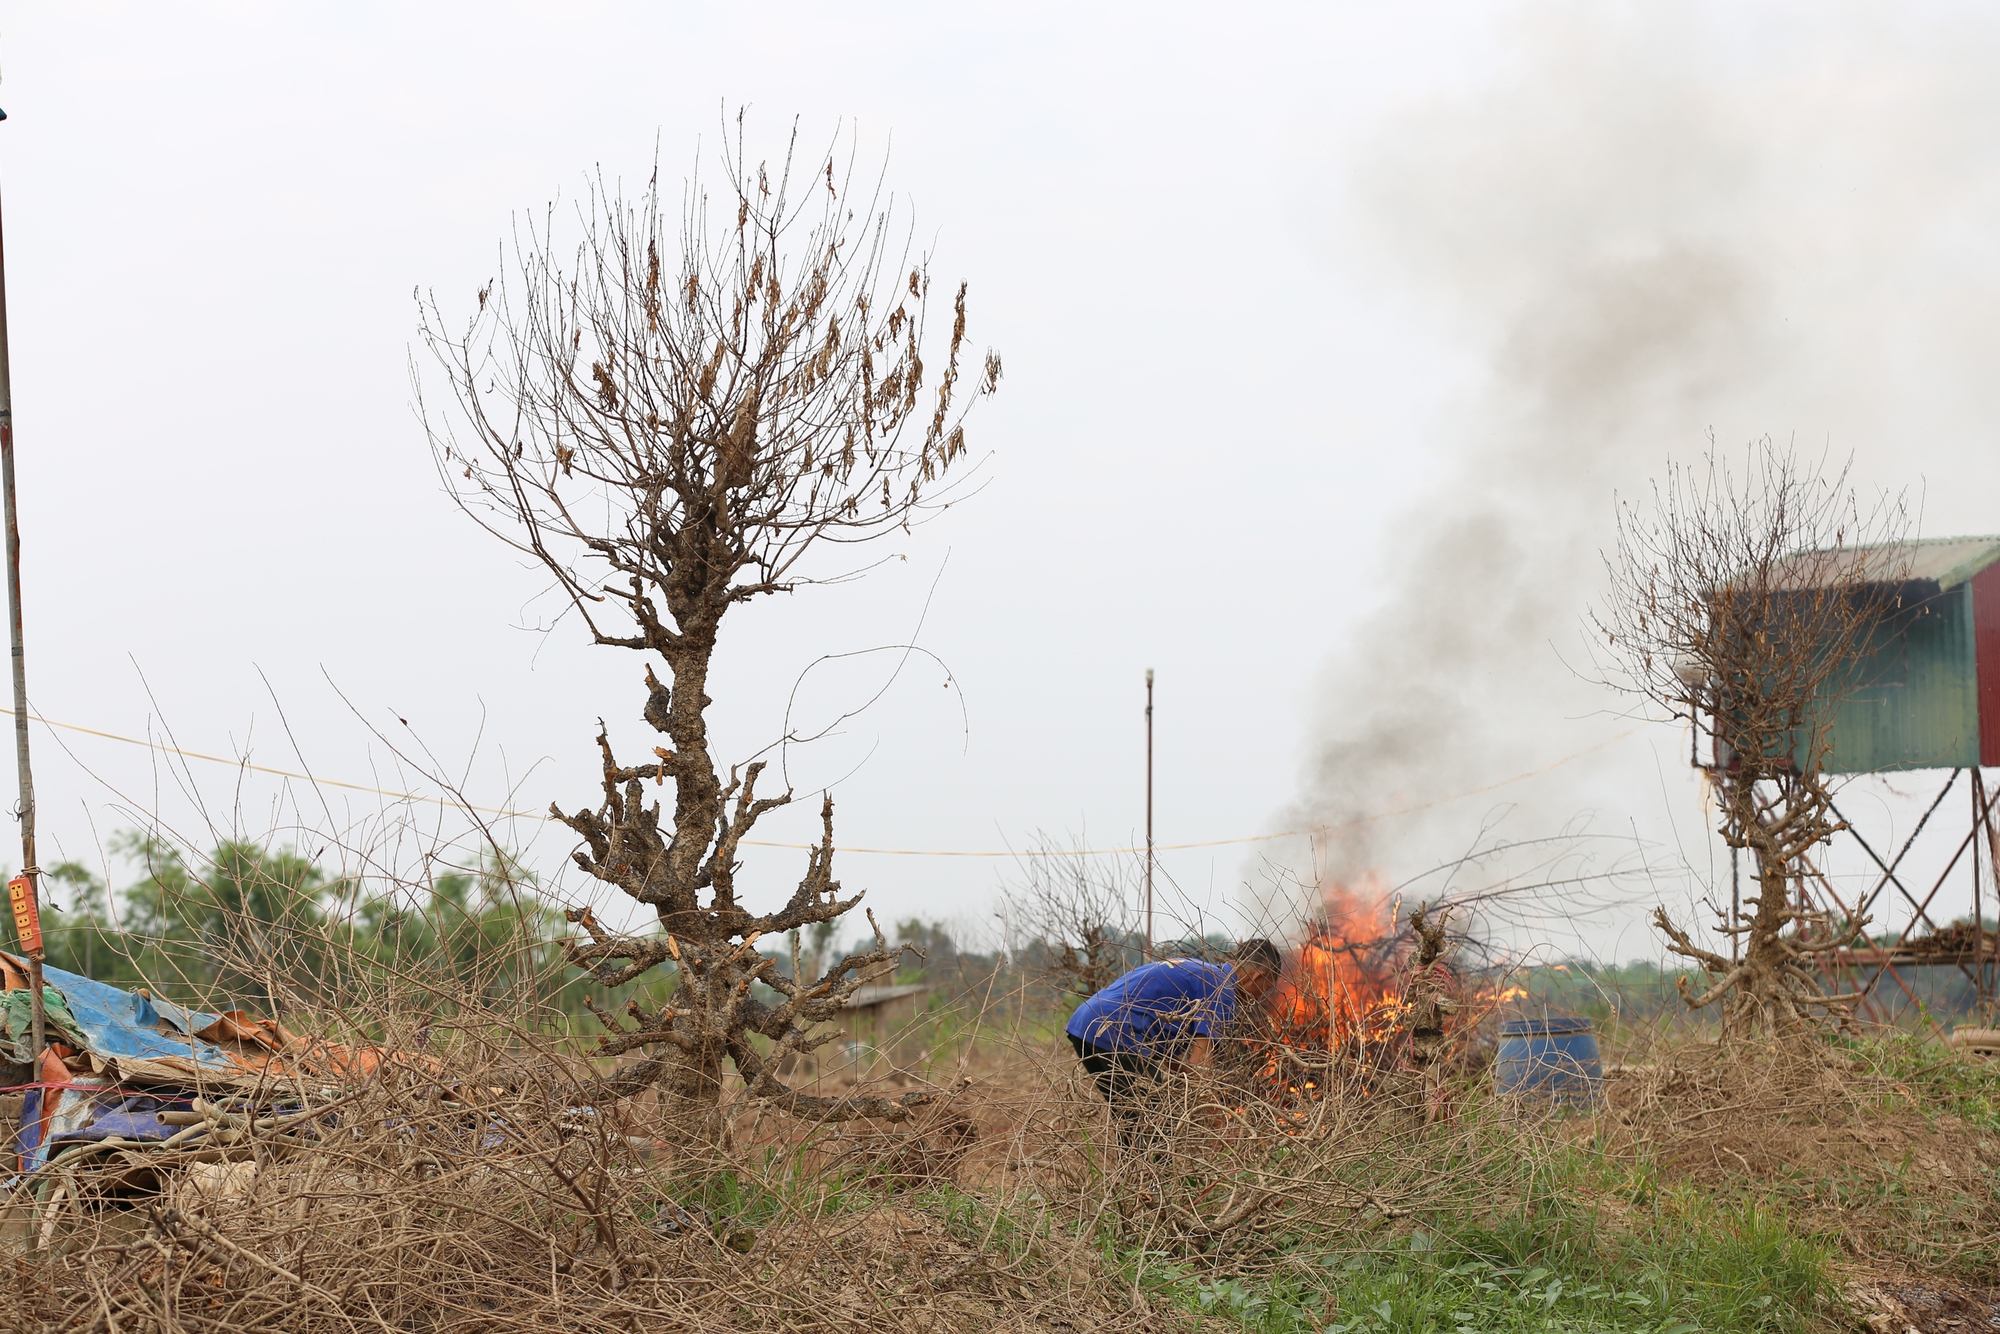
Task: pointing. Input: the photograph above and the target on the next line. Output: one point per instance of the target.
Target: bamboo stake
(30, 871)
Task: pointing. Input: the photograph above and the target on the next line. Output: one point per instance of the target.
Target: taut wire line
(874, 852)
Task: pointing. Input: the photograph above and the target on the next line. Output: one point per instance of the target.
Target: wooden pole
(30, 871)
(1735, 904)
(1149, 813)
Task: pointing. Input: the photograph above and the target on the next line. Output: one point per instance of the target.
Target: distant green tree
(246, 923)
(265, 929)
(79, 928)
(931, 942)
(820, 939)
(479, 936)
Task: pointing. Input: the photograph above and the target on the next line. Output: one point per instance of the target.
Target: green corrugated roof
(1949, 561)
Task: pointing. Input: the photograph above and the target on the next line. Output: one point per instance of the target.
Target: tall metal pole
(30, 870)
(1149, 812)
(1988, 990)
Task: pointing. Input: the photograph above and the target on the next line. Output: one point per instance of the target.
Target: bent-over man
(1164, 1015)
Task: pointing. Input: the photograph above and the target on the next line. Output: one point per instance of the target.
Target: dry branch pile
(484, 1196)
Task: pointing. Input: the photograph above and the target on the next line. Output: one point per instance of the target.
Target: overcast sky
(1287, 295)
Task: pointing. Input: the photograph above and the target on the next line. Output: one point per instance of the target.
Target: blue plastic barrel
(1553, 1059)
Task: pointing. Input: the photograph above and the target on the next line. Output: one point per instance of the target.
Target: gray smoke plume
(1656, 224)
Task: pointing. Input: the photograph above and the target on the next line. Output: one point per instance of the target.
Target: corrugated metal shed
(1913, 702)
(1926, 694)
(1986, 649)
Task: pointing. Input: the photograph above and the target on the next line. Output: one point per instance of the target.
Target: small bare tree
(1074, 915)
(668, 423)
(1744, 603)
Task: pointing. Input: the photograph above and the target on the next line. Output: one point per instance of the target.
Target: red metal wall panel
(1986, 646)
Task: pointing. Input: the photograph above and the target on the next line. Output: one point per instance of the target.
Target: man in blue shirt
(1161, 1015)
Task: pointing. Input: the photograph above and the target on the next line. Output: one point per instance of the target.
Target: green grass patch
(1680, 1272)
(1585, 1244)
(1935, 1078)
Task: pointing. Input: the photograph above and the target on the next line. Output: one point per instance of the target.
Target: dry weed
(474, 1196)
(1849, 1148)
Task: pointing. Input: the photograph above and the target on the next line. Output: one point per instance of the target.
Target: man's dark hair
(1259, 953)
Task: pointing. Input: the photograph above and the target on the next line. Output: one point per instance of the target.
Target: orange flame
(1346, 1000)
(1341, 984)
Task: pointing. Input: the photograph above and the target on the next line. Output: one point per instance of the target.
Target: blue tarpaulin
(126, 1038)
(113, 1025)
(124, 1024)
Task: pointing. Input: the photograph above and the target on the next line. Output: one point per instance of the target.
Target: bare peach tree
(670, 419)
(1745, 602)
(1076, 917)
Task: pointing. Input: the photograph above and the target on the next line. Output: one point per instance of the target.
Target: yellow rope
(877, 852)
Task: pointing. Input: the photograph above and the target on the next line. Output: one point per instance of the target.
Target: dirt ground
(1928, 1304)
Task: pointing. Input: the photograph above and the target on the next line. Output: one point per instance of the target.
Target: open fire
(1334, 1010)
(1341, 988)
(1364, 992)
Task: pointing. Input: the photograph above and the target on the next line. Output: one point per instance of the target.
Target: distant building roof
(1946, 562)
(869, 997)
